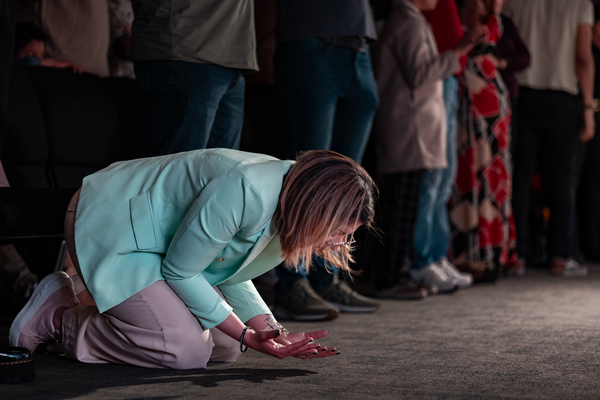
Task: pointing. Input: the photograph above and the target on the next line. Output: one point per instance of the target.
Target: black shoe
(302, 303)
(16, 365)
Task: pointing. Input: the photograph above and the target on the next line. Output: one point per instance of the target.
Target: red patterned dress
(481, 218)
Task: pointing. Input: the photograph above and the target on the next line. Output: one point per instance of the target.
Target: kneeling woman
(167, 248)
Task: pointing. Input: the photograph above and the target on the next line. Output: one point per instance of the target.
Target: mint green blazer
(197, 220)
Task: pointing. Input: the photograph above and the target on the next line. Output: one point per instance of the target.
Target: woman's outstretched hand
(281, 344)
(307, 352)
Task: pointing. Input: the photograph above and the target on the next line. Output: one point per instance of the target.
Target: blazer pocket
(142, 221)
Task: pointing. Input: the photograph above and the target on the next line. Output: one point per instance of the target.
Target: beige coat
(410, 125)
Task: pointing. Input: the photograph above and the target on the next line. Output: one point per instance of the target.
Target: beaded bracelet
(242, 347)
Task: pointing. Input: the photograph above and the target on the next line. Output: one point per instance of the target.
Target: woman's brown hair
(323, 192)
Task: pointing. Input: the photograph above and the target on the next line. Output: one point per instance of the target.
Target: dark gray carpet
(535, 337)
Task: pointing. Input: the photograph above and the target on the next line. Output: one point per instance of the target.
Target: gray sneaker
(302, 303)
(340, 295)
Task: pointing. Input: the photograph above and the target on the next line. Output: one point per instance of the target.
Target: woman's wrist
(591, 106)
(272, 326)
(244, 338)
(261, 322)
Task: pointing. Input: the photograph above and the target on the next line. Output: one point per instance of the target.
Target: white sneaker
(432, 274)
(568, 268)
(463, 279)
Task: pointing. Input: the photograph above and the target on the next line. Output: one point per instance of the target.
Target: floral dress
(483, 232)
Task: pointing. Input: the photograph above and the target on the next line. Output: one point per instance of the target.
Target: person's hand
(589, 126)
(51, 62)
(307, 352)
(499, 63)
(471, 38)
(76, 69)
(265, 342)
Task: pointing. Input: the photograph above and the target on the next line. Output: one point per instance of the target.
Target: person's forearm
(232, 326)
(584, 63)
(585, 76)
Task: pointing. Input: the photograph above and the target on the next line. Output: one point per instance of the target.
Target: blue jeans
(327, 96)
(327, 100)
(191, 106)
(432, 231)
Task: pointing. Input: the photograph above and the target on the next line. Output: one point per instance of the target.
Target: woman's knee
(187, 350)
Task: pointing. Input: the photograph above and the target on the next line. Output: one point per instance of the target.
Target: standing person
(411, 129)
(432, 231)
(189, 57)
(327, 96)
(513, 56)
(483, 236)
(167, 247)
(558, 34)
(588, 195)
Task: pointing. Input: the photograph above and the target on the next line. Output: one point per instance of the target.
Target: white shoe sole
(575, 273)
(45, 288)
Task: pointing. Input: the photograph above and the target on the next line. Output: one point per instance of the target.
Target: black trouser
(549, 125)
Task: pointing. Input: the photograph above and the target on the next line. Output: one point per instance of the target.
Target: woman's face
(343, 234)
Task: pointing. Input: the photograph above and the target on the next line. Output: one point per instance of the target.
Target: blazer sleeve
(245, 300)
(414, 58)
(212, 221)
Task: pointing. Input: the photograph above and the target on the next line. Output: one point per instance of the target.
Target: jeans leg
(287, 277)
(309, 77)
(182, 100)
(307, 72)
(428, 201)
(227, 127)
(319, 276)
(355, 110)
(440, 234)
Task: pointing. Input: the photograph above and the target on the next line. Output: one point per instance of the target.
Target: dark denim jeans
(327, 96)
(191, 106)
(549, 124)
(327, 99)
